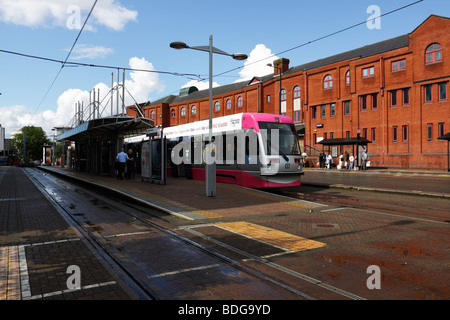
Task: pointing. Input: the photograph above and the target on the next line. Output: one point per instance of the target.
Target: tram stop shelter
(358, 142)
(98, 141)
(446, 137)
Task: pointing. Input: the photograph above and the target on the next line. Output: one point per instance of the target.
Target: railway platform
(281, 225)
(186, 198)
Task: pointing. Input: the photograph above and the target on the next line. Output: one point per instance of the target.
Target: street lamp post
(210, 170)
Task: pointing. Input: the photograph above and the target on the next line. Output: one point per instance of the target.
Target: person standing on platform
(130, 164)
(121, 159)
(352, 161)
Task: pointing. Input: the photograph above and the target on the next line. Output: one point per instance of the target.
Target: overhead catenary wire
(320, 38)
(80, 64)
(67, 57)
(190, 76)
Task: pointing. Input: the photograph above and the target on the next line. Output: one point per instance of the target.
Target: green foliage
(35, 139)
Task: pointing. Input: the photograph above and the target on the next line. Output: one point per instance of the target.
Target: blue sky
(137, 33)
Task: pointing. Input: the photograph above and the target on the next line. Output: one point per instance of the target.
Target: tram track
(138, 213)
(135, 214)
(143, 291)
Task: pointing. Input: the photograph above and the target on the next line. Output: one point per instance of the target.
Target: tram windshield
(287, 143)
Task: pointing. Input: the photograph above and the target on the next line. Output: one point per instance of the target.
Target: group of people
(124, 160)
(346, 161)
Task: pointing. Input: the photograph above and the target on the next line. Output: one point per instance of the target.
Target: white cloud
(142, 83)
(140, 86)
(64, 13)
(201, 85)
(84, 51)
(256, 64)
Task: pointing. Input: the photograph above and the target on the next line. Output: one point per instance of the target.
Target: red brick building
(395, 93)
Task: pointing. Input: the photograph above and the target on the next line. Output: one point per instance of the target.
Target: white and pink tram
(255, 150)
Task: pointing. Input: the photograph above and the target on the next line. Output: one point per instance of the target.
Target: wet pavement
(323, 249)
(426, 182)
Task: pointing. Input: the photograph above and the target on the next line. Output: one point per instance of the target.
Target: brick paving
(354, 238)
(30, 224)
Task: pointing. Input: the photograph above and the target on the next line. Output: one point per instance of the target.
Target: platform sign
(47, 155)
(154, 160)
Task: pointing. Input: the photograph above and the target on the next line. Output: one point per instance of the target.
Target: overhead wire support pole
(210, 169)
(210, 174)
(123, 93)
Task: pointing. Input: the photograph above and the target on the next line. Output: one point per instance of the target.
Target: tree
(35, 139)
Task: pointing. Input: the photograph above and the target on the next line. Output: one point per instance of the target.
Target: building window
(441, 129)
(268, 98)
(346, 108)
(183, 112)
(399, 65)
(240, 102)
(394, 134)
(347, 78)
(428, 93)
(315, 138)
(405, 133)
(374, 101)
(443, 91)
(347, 134)
(314, 112)
(228, 105)
(296, 92)
(193, 110)
(405, 94)
(363, 101)
(433, 54)
(393, 98)
(324, 110)
(374, 136)
(327, 82)
(217, 106)
(283, 95)
(152, 115)
(364, 133)
(368, 72)
(332, 110)
(172, 113)
(429, 132)
(297, 104)
(331, 135)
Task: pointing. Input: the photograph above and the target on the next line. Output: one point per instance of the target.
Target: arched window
(327, 82)
(240, 102)
(433, 53)
(217, 106)
(183, 112)
(193, 110)
(347, 78)
(297, 104)
(228, 104)
(283, 95)
(172, 113)
(296, 92)
(152, 115)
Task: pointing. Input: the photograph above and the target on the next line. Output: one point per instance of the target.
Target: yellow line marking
(272, 236)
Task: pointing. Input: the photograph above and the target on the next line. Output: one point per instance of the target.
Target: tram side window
(251, 148)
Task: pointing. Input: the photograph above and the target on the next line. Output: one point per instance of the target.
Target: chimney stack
(280, 66)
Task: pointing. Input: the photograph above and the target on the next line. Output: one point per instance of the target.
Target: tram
(255, 150)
